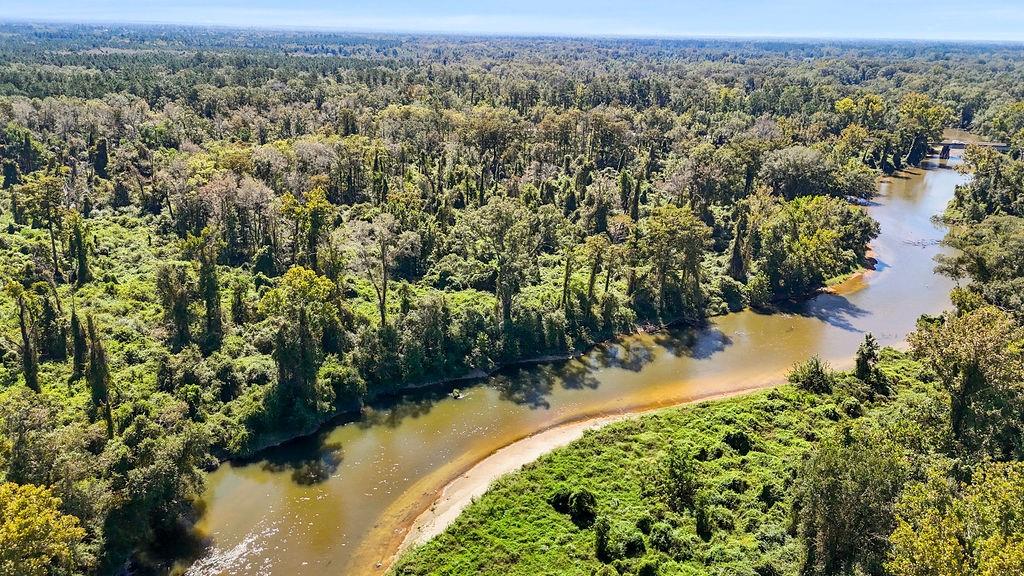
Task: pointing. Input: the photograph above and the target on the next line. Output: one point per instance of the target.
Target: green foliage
(707, 487)
(814, 375)
(676, 479)
(385, 214)
(978, 360)
(36, 539)
(976, 528)
(844, 501)
(174, 284)
(866, 365)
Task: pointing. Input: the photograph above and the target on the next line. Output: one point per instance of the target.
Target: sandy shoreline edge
(460, 492)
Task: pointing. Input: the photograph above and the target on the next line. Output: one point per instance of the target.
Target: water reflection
(631, 355)
(833, 309)
(333, 503)
(316, 466)
(699, 344)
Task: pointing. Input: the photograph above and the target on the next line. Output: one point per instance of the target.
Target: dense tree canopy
(216, 239)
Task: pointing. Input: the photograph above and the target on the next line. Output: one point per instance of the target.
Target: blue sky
(994, 20)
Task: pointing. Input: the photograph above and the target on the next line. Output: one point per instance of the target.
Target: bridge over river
(943, 148)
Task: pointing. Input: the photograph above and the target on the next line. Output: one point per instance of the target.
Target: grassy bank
(744, 454)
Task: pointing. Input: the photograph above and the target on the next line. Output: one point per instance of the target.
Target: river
(341, 501)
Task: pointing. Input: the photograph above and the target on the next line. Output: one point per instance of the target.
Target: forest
(908, 465)
(213, 240)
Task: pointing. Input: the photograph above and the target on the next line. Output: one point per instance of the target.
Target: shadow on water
(631, 355)
(173, 545)
(832, 309)
(393, 410)
(309, 460)
(313, 459)
(696, 343)
(531, 386)
(526, 386)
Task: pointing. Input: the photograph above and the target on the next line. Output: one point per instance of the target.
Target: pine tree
(98, 377)
(29, 356)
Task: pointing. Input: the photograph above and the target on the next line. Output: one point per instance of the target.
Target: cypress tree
(29, 356)
(737, 265)
(79, 347)
(98, 377)
(569, 203)
(209, 286)
(625, 188)
(296, 355)
(10, 174)
(80, 251)
(122, 195)
(566, 277)
(307, 359)
(634, 203)
(100, 158)
(54, 341)
(239, 312)
(17, 212)
(27, 165)
(172, 282)
(867, 365)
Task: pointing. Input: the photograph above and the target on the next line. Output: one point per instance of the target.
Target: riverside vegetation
(213, 240)
(910, 465)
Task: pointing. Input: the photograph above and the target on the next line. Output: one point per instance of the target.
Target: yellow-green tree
(35, 538)
(948, 530)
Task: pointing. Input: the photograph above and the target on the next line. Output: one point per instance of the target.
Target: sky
(989, 20)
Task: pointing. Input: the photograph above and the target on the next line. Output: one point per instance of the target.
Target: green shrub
(582, 507)
(625, 541)
(663, 538)
(814, 375)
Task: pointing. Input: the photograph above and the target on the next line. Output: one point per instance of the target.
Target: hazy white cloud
(952, 19)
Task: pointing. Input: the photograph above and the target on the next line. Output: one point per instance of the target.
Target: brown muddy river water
(339, 503)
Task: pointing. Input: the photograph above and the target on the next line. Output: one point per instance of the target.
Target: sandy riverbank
(459, 493)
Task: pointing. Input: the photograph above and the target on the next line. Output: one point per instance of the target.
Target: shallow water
(338, 503)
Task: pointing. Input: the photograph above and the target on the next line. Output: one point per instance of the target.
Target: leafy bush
(814, 375)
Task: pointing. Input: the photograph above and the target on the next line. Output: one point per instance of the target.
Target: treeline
(207, 251)
(909, 465)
